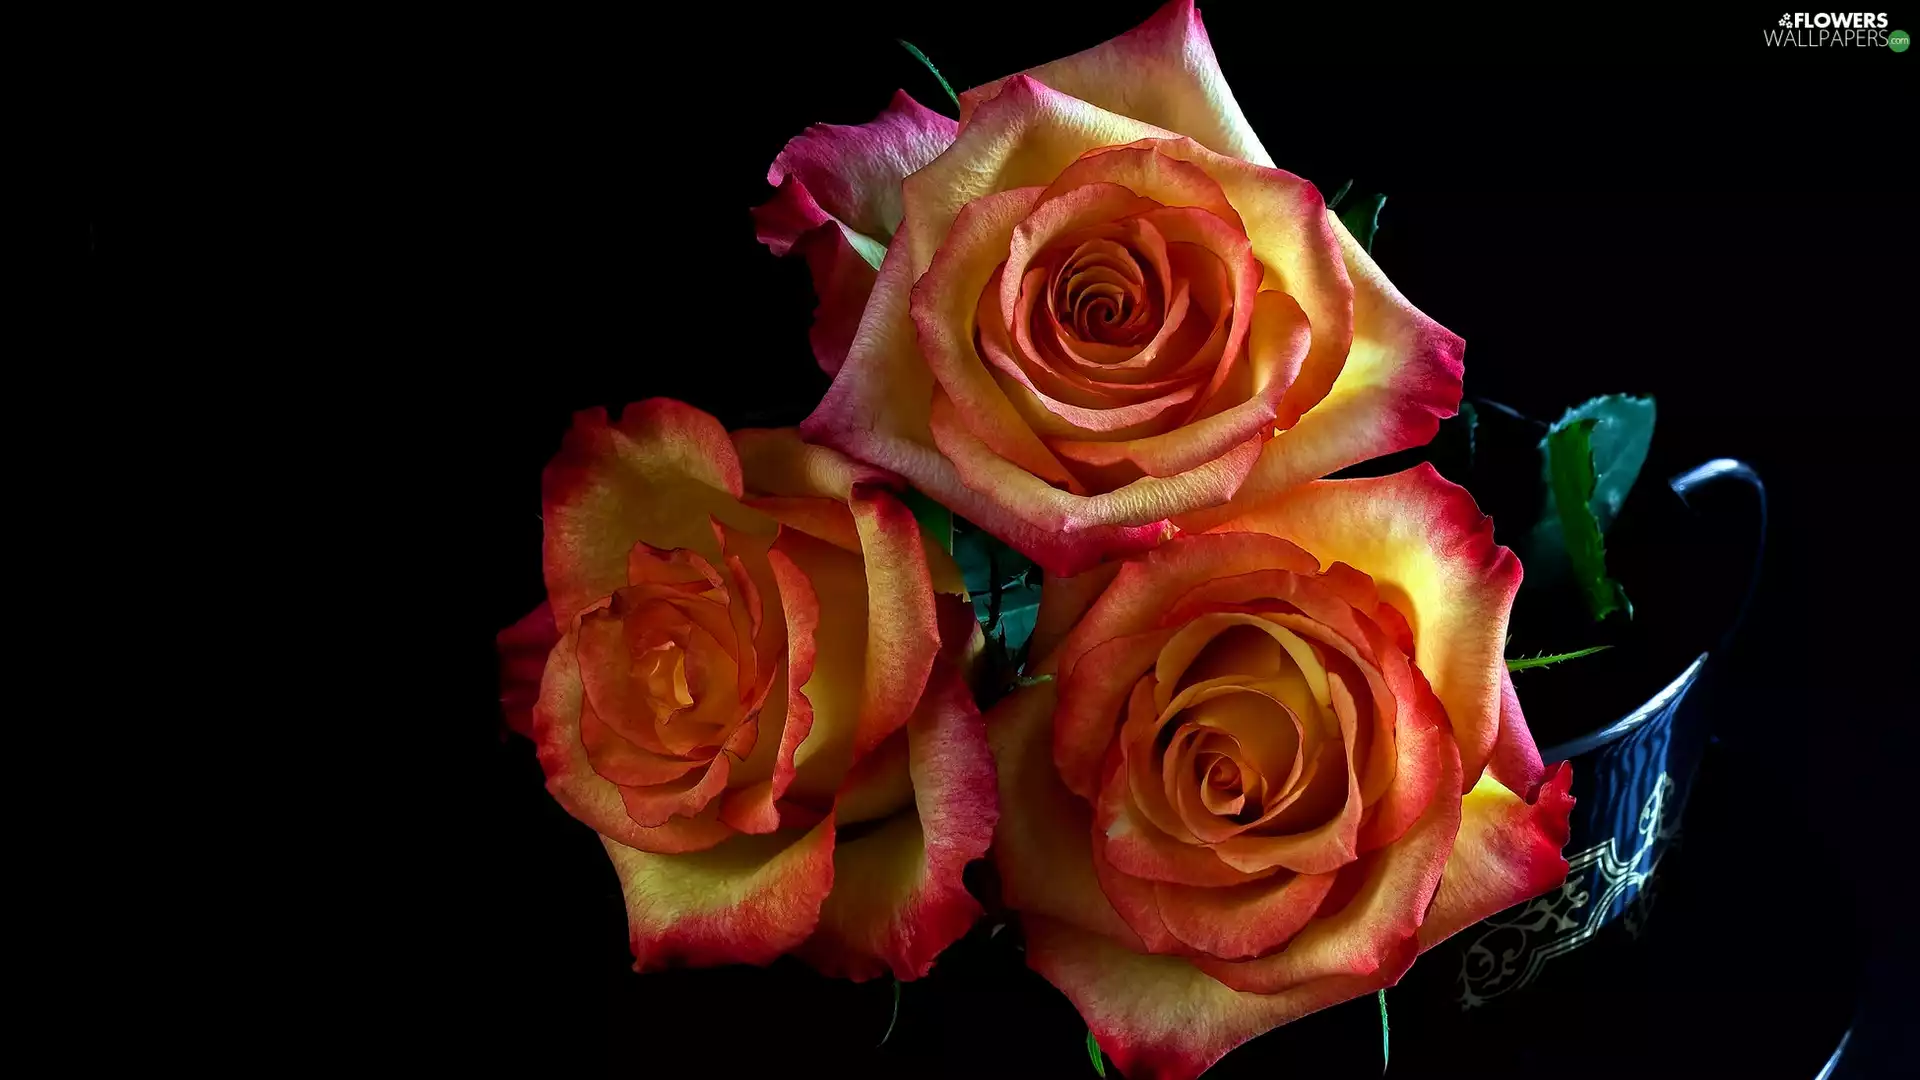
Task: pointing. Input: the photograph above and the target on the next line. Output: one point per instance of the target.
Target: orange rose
(748, 659)
(1102, 307)
(1279, 760)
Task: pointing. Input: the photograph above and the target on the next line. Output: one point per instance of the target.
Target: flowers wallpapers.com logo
(1827, 29)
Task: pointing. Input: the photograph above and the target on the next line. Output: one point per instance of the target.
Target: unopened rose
(1102, 307)
(746, 656)
(1277, 762)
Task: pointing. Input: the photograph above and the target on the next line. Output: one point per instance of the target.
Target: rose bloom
(741, 654)
(1100, 306)
(1278, 761)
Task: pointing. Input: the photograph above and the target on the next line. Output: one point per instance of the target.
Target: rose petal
(838, 580)
(1400, 379)
(1093, 694)
(654, 476)
(523, 649)
(793, 215)
(903, 628)
(586, 794)
(626, 763)
(1319, 849)
(1370, 932)
(878, 786)
(1062, 601)
(1419, 727)
(1161, 1017)
(1040, 845)
(1515, 761)
(854, 171)
(1299, 245)
(1134, 845)
(827, 519)
(1143, 170)
(898, 899)
(837, 259)
(1279, 340)
(712, 673)
(1163, 72)
(1507, 850)
(746, 901)
(1144, 590)
(1241, 921)
(1144, 502)
(655, 805)
(752, 807)
(842, 280)
(776, 462)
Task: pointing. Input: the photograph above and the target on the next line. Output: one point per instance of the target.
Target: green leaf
(1570, 471)
(1522, 663)
(1093, 1054)
(922, 57)
(896, 1014)
(1005, 589)
(1334, 203)
(1385, 1045)
(1470, 416)
(1362, 218)
(936, 521)
(1003, 583)
(1622, 432)
(1018, 614)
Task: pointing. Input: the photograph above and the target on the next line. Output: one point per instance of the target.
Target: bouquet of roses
(1053, 576)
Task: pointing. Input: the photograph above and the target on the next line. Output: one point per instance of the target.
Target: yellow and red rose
(1101, 307)
(748, 649)
(1278, 760)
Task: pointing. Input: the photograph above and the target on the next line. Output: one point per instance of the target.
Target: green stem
(1525, 662)
(922, 57)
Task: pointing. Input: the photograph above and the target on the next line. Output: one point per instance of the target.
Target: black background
(1604, 204)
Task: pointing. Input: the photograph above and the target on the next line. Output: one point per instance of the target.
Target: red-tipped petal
(754, 807)
(903, 628)
(587, 795)
(1401, 377)
(1162, 72)
(655, 476)
(842, 280)
(1507, 850)
(746, 901)
(1387, 893)
(838, 205)
(1042, 844)
(523, 659)
(776, 462)
(1162, 1018)
(1516, 758)
(853, 171)
(898, 899)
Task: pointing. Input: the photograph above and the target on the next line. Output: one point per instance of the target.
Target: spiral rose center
(1223, 774)
(661, 669)
(1101, 294)
(1247, 737)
